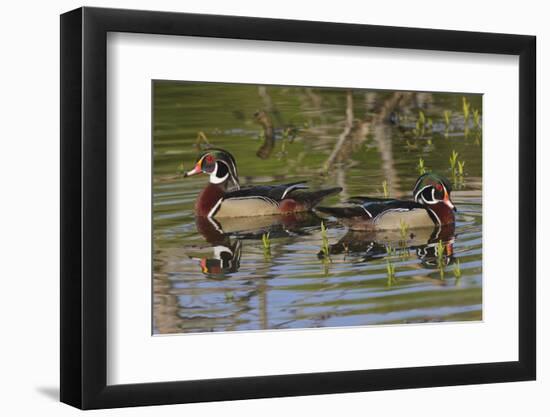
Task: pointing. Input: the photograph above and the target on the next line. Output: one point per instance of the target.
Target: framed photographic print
(258, 207)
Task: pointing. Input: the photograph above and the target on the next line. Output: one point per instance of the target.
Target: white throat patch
(214, 179)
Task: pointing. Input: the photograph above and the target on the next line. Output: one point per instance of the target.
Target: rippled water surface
(364, 141)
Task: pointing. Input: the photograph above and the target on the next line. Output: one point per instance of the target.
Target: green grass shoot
(390, 267)
(266, 244)
(447, 117)
(390, 251)
(385, 188)
(421, 167)
(477, 118)
(456, 269)
(421, 117)
(461, 167)
(440, 251)
(452, 161)
(325, 249)
(390, 270)
(466, 110)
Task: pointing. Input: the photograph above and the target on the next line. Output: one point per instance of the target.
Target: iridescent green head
(432, 188)
(219, 164)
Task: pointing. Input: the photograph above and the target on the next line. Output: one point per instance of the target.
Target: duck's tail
(315, 197)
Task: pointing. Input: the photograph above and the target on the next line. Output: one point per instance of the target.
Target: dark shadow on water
(50, 392)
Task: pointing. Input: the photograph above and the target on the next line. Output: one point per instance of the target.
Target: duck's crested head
(210, 157)
(219, 164)
(431, 188)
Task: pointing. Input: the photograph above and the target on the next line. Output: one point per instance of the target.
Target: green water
(330, 137)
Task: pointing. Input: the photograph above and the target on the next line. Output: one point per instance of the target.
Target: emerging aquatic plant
(440, 251)
(266, 244)
(390, 250)
(466, 110)
(461, 168)
(421, 117)
(325, 250)
(477, 117)
(421, 167)
(477, 137)
(416, 130)
(456, 270)
(385, 188)
(420, 128)
(390, 267)
(447, 117)
(452, 160)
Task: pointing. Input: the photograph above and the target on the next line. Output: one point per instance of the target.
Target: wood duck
(223, 196)
(432, 205)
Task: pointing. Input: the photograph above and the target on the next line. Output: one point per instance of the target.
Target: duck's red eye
(438, 187)
(209, 159)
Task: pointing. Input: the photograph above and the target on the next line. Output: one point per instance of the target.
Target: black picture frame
(84, 207)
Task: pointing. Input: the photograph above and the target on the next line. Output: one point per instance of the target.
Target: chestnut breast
(445, 214)
(207, 199)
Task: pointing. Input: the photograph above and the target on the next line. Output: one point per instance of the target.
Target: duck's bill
(194, 171)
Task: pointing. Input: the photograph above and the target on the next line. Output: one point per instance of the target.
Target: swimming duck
(224, 197)
(432, 206)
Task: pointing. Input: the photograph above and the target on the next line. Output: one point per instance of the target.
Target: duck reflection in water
(371, 245)
(225, 237)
